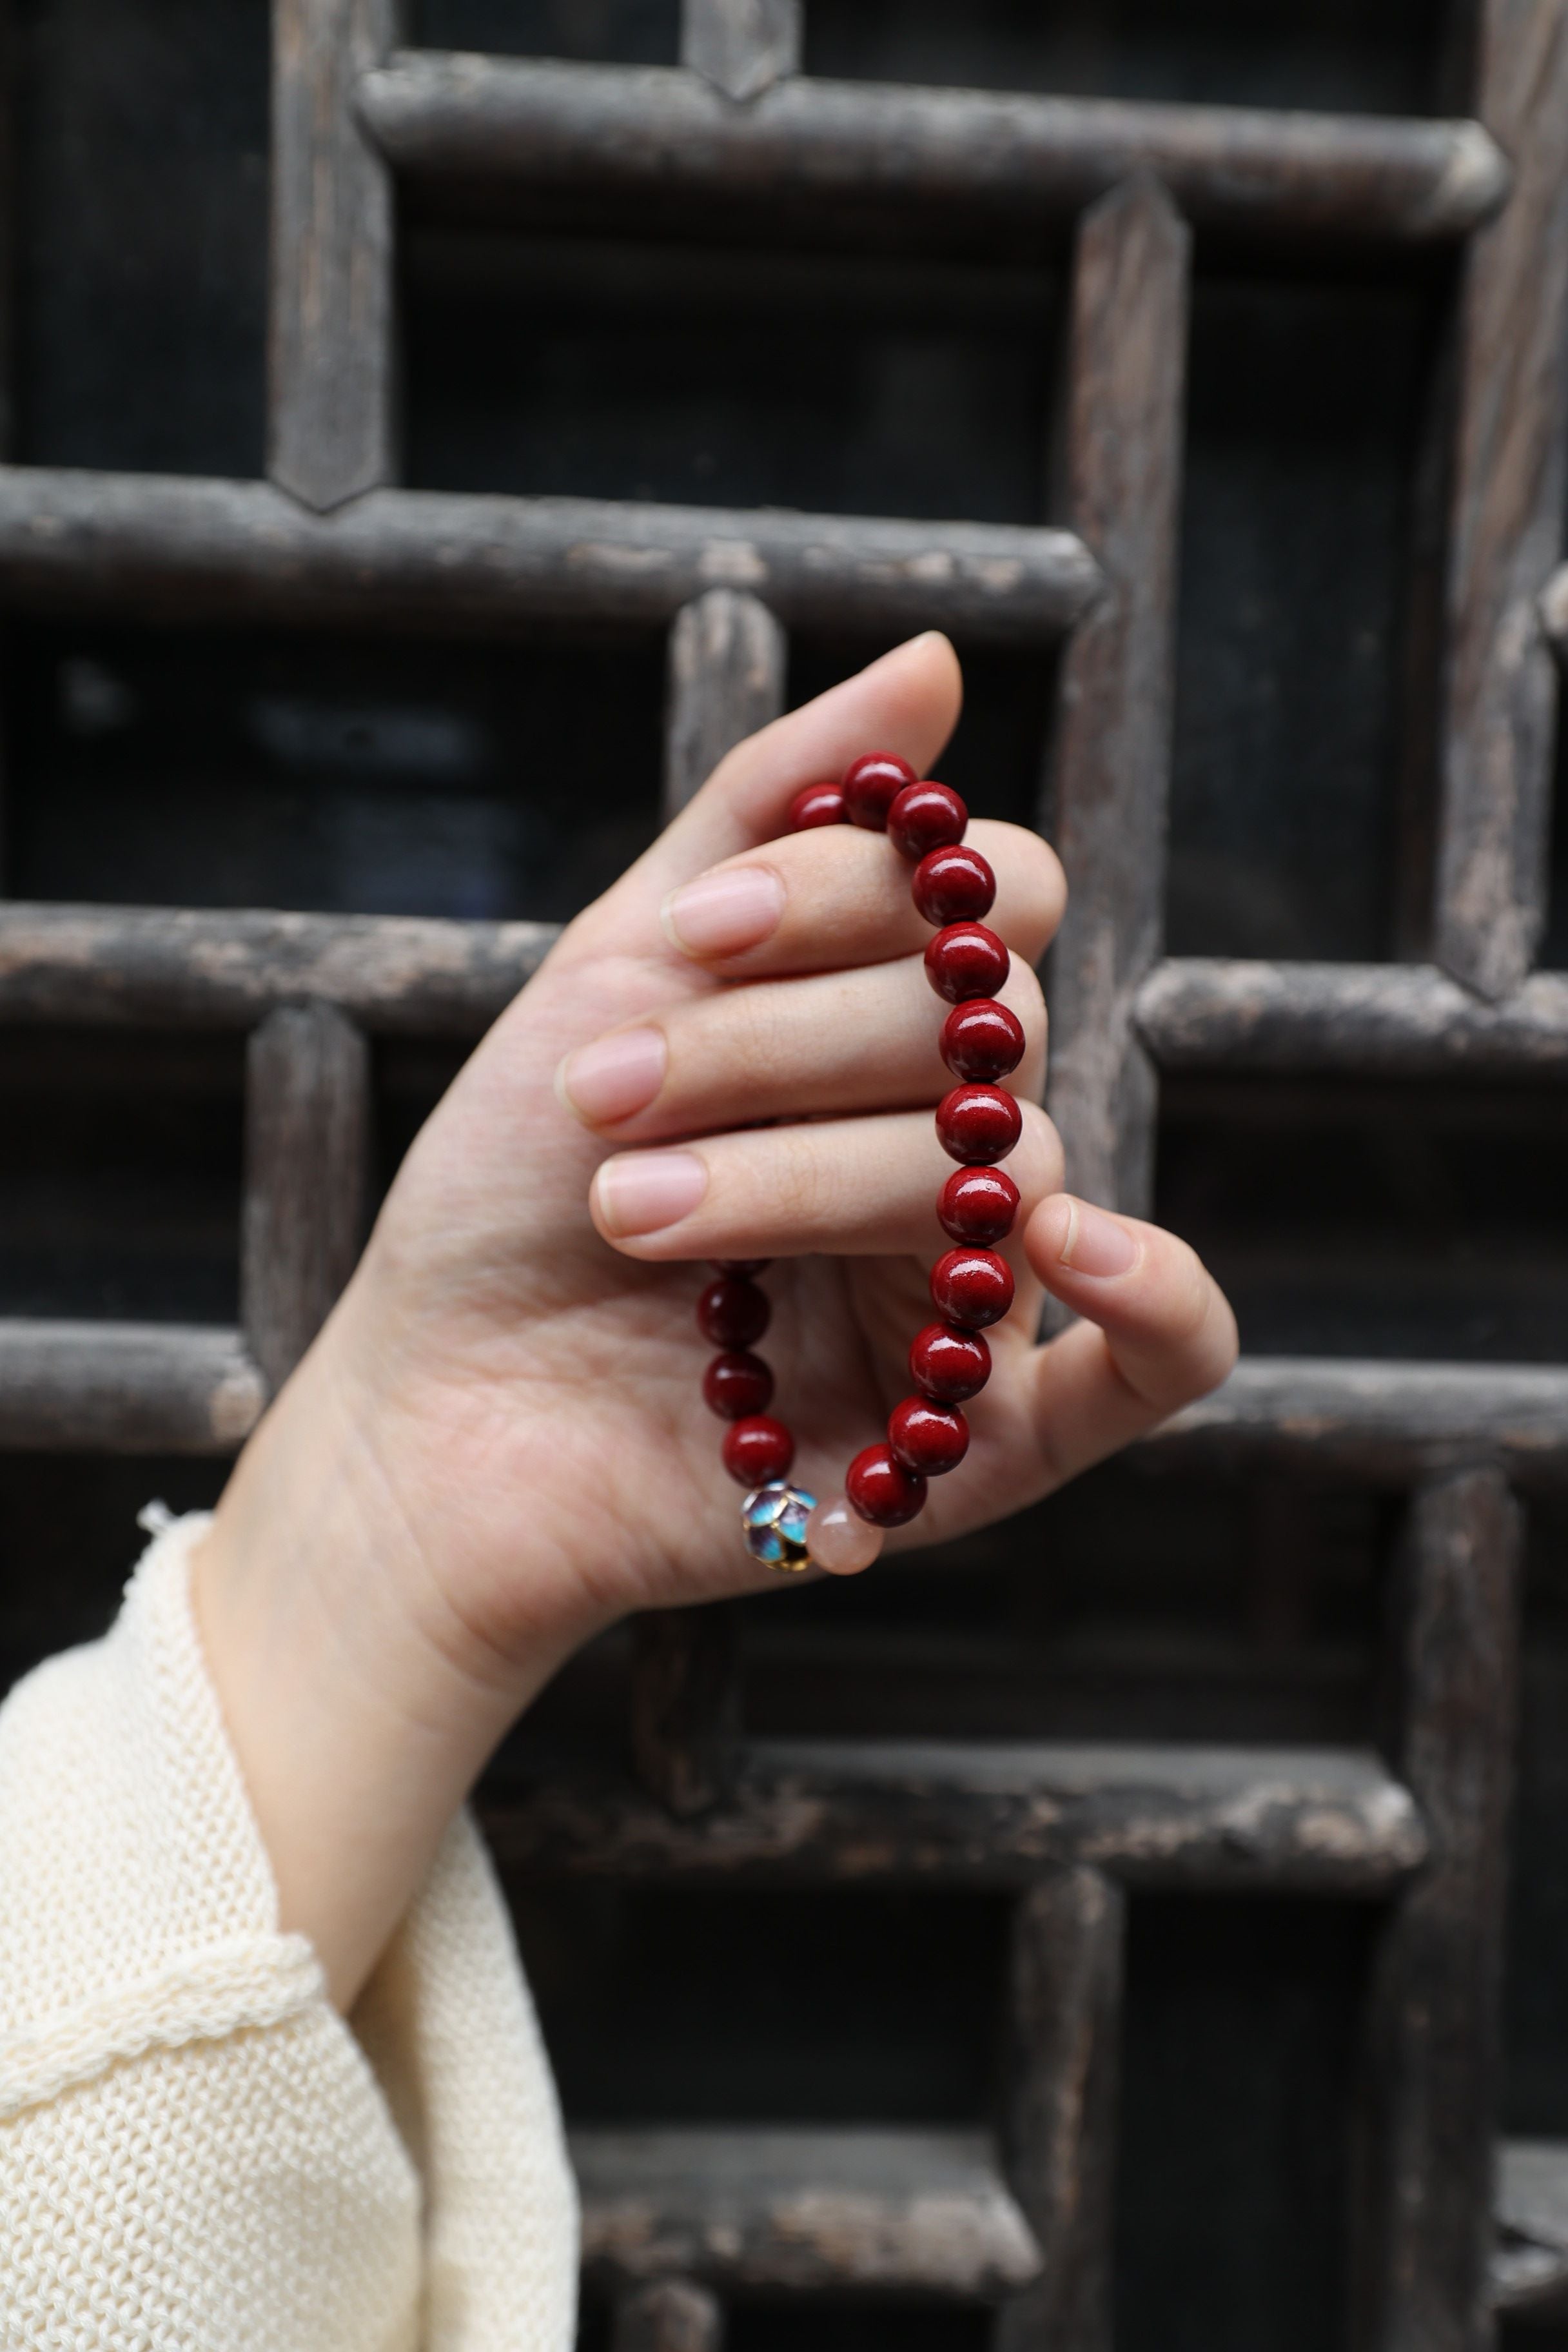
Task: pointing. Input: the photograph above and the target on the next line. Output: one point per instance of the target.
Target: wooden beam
(1506, 527)
(1433, 2030)
(307, 1167)
(165, 547)
(670, 2315)
(741, 47)
(126, 1387)
(726, 657)
(988, 156)
(1110, 762)
(685, 1707)
(331, 335)
(1530, 2208)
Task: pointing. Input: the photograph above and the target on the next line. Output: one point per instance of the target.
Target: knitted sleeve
(195, 2151)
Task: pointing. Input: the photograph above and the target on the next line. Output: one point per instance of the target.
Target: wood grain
(307, 1164)
(685, 1707)
(126, 1387)
(741, 46)
(726, 657)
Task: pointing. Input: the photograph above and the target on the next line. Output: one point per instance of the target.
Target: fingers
(1157, 1331)
(835, 896)
(854, 1187)
(837, 1042)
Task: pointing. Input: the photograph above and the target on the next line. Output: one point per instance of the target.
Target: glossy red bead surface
(927, 1438)
(978, 1124)
(926, 817)
(978, 1205)
(732, 1313)
(757, 1449)
(740, 1266)
(736, 1384)
(949, 1365)
(882, 1490)
(966, 960)
(953, 886)
(817, 805)
(982, 1040)
(871, 784)
(971, 1287)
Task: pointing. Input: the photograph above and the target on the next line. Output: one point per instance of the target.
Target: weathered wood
(1111, 760)
(904, 2212)
(1323, 1820)
(1064, 2017)
(332, 333)
(306, 1165)
(183, 967)
(996, 156)
(1381, 1423)
(1433, 2029)
(1381, 1019)
(741, 46)
(727, 656)
(163, 547)
(1530, 2210)
(685, 1707)
(1505, 530)
(670, 2315)
(126, 1387)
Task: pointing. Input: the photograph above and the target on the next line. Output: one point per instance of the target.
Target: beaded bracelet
(971, 1285)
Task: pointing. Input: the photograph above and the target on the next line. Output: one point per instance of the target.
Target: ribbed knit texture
(196, 2153)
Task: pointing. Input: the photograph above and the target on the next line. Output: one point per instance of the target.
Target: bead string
(978, 1123)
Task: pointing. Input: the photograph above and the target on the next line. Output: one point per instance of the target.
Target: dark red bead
(966, 960)
(982, 1040)
(978, 1205)
(732, 1313)
(927, 1438)
(953, 886)
(743, 1266)
(926, 817)
(978, 1124)
(817, 805)
(871, 784)
(757, 1449)
(736, 1384)
(882, 1490)
(948, 1364)
(971, 1287)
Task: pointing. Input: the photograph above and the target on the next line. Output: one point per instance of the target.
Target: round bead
(978, 1205)
(948, 1365)
(732, 1313)
(757, 1449)
(953, 886)
(817, 805)
(882, 1490)
(926, 817)
(773, 1522)
(966, 960)
(743, 1266)
(871, 784)
(735, 1385)
(982, 1040)
(839, 1539)
(971, 1287)
(927, 1438)
(978, 1124)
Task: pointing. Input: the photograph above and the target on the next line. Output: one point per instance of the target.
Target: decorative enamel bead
(819, 804)
(977, 1204)
(978, 1124)
(757, 1449)
(966, 960)
(973, 1287)
(882, 1490)
(953, 886)
(732, 1312)
(871, 784)
(927, 1438)
(926, 817)
(982, 1040)
(948, 1365)
(773, 1521)
(735, 1385)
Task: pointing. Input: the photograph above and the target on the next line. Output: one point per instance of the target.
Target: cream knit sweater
(196, 2153)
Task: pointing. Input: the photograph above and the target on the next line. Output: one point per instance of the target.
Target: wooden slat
(1344, 1019)
(1060, 2072)
(1529, 2208)
(306, 1169)
(1433, 2030)
(1111, 756)
(1505, 529)
(994, 156)
(670, 2315)
(741, 47)
(727, 655)
(1322, 1821)
(685, 1707)
(165, 547)
(183, 967)
(900, 2211)
(331, 346)
(126, 1387)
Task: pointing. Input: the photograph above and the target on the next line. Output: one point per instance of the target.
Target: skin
(497, 1447)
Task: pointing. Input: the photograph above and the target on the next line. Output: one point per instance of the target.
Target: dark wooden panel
(670, 2315)
(307, 1163)
(126, 1387)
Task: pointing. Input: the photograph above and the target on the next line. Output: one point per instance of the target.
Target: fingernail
(1096, 1243)
(613, 1076)
(725, 912)
(642, 1191)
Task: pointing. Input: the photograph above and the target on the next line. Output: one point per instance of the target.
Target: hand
(497, 1445)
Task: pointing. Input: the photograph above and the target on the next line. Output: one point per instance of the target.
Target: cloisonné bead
(948, 1365)
(817, 805)
(773, 1522)
(953, 886)
(882, 1490)
(978, 1124)
(977, 1204)
(973, 1287)
(927, 1438)
(966, 960)
(871, 784)
(982, 1040)
(736, 1384)
(732, 1312)
(926, 817)
(758, 1450)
